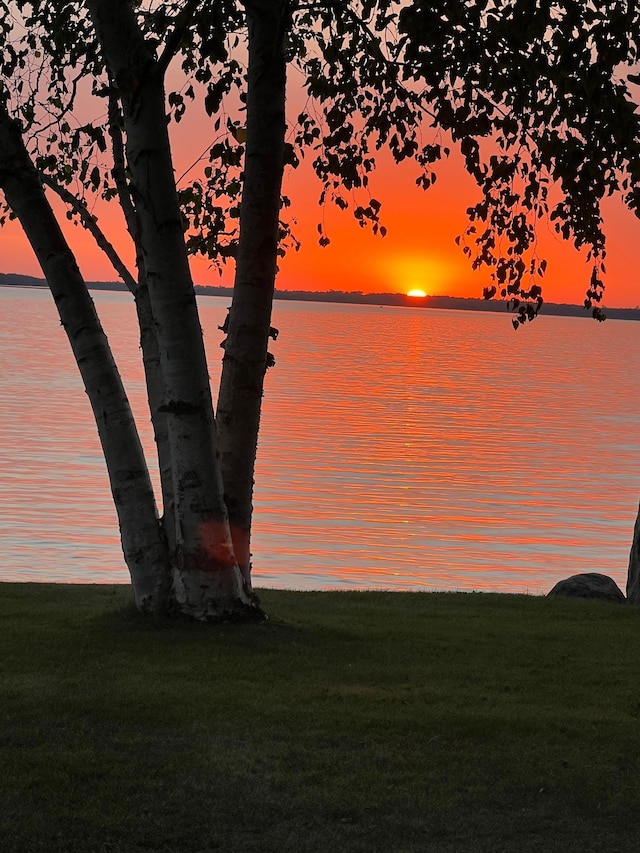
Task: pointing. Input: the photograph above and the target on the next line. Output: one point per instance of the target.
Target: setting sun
(416, 292)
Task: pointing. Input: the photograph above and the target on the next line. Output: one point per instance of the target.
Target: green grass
(369, 722)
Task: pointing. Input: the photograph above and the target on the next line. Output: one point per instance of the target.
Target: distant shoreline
(358, 298)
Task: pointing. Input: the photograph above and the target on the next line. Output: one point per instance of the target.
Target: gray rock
(589, 585)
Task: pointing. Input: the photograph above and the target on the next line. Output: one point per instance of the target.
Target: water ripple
(399, 448)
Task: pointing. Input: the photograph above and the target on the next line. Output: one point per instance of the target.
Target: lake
(400, 448)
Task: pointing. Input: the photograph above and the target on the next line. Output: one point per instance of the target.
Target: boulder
(589, 585)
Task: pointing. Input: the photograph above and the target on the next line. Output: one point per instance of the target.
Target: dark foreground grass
(348, 722)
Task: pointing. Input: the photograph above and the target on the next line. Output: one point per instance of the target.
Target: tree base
(215, 597)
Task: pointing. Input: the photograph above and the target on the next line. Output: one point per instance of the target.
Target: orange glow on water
(398, 448)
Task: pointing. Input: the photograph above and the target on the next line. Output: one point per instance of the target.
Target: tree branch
(183, 19)
(119, 172)
(91, 224)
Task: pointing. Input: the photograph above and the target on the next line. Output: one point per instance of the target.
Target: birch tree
(206, 580)
(504, 82)
(249, 322)
(206, 574)
(143, 542)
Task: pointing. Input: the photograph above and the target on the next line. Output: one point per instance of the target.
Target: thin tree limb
(119, 166)
(90, 223)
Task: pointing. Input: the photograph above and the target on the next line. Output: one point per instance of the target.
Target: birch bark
(143, 542)
(207, 581)
(633, 573)
(245, 353)
(148, 338)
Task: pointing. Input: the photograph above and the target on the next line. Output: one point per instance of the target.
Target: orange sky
(418, 251)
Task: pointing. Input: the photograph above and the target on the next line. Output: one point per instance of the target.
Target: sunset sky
(418, 252)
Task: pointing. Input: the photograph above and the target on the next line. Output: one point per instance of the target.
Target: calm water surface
(399, 448)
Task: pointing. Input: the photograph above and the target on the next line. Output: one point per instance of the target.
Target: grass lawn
(391, 722)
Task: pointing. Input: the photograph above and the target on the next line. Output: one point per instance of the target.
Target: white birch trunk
(143, 543)
(245, 353)
(148, 337)
(633, 574)
(207, 581)
(155, 397)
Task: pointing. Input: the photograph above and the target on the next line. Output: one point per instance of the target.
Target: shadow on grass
(348, 721)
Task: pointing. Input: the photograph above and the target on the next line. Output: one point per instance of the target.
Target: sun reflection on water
(399, 448)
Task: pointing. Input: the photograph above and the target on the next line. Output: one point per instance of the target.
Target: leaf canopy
(538, 95)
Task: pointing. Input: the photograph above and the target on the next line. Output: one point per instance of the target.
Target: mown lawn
(348, 722)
